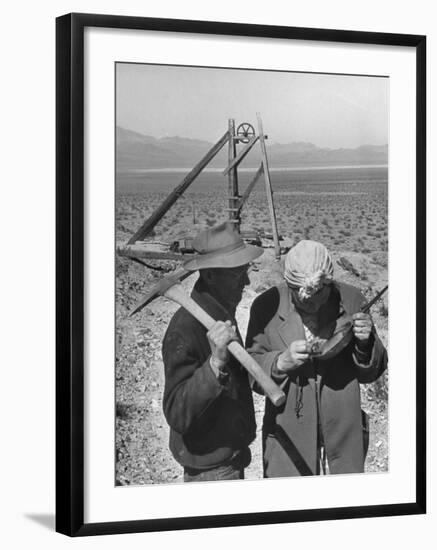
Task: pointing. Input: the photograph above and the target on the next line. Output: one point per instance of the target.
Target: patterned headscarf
(308, 266)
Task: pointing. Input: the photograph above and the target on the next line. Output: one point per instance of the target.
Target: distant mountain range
(137, 151)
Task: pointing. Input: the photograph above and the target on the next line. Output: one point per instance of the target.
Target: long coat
(323, 397)
(211, 420)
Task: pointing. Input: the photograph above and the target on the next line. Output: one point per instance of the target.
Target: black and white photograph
(251, 274)
(217, 301)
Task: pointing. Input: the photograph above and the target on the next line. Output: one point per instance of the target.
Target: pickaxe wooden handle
(273, 392)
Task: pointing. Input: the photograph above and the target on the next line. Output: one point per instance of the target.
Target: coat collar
(290, 327)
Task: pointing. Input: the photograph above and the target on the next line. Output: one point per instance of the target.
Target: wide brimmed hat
(221, 246)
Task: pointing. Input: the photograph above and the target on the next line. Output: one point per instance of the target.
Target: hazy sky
(327, 110)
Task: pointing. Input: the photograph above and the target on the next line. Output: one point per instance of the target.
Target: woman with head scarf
(319, 429)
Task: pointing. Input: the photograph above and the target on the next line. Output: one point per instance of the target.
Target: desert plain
(345, 208)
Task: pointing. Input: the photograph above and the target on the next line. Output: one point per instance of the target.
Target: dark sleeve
(370, 362)
(258, 343)
(191, 387)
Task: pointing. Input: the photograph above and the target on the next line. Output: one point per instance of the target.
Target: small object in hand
(315, 349)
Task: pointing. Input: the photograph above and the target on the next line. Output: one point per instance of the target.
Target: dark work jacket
(210, 420)
(323, 397)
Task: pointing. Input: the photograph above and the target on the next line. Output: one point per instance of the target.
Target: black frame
(70, 278)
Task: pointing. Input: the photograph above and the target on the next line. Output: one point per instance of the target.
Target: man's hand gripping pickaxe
(170, 287)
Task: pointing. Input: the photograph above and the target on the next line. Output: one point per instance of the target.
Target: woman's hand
(362, 328)
(293, 357)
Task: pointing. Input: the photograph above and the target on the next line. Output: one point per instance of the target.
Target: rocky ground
(142, 454)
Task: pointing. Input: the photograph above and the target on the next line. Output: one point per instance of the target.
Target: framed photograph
(240, 274)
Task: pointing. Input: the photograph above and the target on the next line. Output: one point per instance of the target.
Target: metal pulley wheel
(245, 132)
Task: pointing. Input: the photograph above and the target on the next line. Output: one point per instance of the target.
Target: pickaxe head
(160, 288)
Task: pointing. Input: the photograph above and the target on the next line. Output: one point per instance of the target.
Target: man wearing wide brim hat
(207, 398)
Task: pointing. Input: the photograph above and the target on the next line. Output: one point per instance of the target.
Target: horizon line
(273, 143)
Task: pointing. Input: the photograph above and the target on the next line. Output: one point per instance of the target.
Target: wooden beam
(159, 213)
(139, 251)
(232, 174)
(240, 156)
(269, 191)
(250, 187)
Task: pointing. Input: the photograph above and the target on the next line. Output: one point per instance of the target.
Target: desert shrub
(378, 391)
(122, 410)
(382, 261)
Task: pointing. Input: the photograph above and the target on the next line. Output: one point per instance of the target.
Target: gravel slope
(142, 455)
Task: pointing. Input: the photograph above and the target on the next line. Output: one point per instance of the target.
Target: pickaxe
(170, 287)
